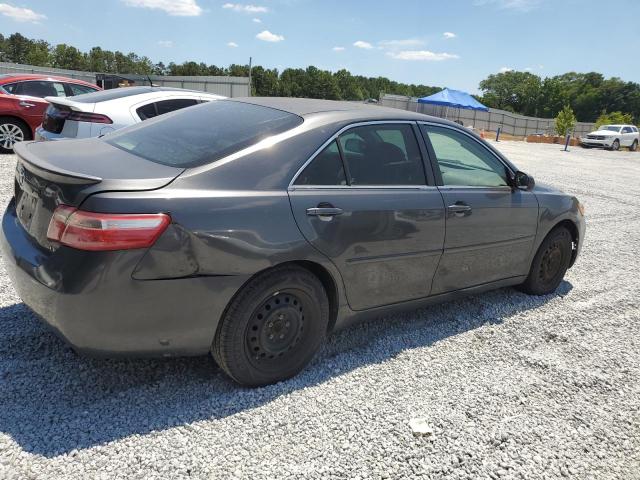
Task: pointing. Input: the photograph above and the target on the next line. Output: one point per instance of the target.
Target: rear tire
(634, 146)
(550, 263)
(12, 130)
(273, 327)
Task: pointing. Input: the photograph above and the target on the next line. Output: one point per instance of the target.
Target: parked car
(22, 103)
(251, 228)
(98, 113)
(613, 137)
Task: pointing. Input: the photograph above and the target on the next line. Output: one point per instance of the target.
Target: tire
(615, 146)
(550, 263)
(634, 146)
(273, 327)
(12, 130)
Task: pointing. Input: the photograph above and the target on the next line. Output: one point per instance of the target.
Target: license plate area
(26, 208)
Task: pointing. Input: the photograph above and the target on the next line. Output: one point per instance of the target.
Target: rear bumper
(90, 299)
(43, 135)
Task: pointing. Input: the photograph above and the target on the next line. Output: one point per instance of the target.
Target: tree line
(588, 94)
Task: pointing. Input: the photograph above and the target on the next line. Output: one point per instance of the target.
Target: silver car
(99, 113)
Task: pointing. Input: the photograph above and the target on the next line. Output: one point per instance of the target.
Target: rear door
(628, 136)
(32, 104)
(490, 226)
(366, 202)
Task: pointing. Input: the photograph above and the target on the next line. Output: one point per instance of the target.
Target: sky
(448, 43)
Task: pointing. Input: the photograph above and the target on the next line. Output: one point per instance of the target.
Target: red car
(22, 103)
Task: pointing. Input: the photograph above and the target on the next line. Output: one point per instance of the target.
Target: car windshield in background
(610, 127)
(204, 133)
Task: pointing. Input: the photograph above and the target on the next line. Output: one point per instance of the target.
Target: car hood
(545, 188)
(606, 133)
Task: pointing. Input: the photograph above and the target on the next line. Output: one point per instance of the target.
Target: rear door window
(166, 106)
(76, 89)
(204, 133)
(148, 111)
(10, 87)
(41, 89)
(325, 169)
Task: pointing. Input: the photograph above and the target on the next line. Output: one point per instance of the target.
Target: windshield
(610, 127)
(202, 134)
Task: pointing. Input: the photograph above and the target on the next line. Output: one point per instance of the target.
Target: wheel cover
(551, 263)
(275, 327)
(10, 134)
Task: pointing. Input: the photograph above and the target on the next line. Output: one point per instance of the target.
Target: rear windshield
(204, 133)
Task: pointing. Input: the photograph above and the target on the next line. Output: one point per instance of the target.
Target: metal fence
(510, 123)
(221, 85)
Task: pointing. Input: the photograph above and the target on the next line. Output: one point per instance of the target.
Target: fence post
(566, 142)
(498, 133)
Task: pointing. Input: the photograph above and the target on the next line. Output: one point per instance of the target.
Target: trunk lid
(67, 172)
(59, 109)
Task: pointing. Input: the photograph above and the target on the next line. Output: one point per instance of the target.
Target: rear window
(202, 134)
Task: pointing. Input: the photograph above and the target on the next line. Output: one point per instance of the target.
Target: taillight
(88, 117)
(105, 231)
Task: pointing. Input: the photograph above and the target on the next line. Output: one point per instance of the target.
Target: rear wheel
(273, 327)
(11, 132)
(634, 146)
(550, 263)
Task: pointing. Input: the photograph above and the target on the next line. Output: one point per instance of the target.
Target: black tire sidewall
(634, 146)
(229, 346)
(534, 284)
(25, 131)
(614, 147)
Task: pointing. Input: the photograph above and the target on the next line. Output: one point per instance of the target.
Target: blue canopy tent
(455, 99)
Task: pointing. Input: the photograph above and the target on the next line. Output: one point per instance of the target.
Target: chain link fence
(510, 123)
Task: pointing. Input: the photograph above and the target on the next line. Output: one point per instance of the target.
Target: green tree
(66, 56)
(613, 118)
(513, 91)
(565, 121)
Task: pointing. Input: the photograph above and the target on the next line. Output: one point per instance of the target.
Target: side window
(80, 89)
(627, 130)
(59, 88)
(39, 89)
(325, 169)
(10, 88)
(463, 161)
(635, 129)
(382, 154)
(147, 111)
(166, 106)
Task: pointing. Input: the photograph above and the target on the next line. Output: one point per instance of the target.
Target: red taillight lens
(105, 231)
(89, 117)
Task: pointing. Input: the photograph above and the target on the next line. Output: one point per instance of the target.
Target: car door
(31, 103)
(490, 226)
(364, 201)
(628, 136)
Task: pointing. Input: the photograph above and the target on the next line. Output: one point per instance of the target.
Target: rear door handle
(459, 208)
(324, 211)
(26, 104)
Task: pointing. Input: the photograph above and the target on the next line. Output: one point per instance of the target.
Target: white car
(613, 137)
(99, 113)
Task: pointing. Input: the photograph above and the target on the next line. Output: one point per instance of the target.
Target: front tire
(273, 327)
(615, 146)
(11, 132)
(550, 263)
(634, 146)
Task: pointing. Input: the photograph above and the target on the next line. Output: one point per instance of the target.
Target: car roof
(305, 107)
(16, 77)
(117, 93)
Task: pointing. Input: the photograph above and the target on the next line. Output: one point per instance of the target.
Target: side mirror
(523, 181)
(354, 145)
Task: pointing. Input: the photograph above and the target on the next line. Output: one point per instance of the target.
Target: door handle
(459, 209)
(26, 104)
(324, 211)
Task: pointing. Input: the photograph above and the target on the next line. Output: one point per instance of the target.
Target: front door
(491, 227)
(364, 202)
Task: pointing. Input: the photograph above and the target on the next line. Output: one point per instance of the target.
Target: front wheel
(273, 327)
(615, 146)
(11, 132)
(634, 146)
(550, 263)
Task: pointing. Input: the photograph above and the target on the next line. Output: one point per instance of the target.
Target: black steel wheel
(273, 327)
(550, 263)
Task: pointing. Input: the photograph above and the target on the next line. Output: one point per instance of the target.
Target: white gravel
(504, 385)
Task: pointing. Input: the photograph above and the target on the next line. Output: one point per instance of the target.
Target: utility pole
(249, 76)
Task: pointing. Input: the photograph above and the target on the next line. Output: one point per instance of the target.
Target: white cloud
(409, 42)
(257, 20)
(232, 44)
(20, 14)
(242, 8)
(178, 8)
(424, 55)
(362, 44)
(338, 49)
(505, 69)
(267, 36)
(515, 5)
(165, 43)
(449, 35)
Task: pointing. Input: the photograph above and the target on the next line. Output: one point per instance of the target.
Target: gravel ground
(504, 385)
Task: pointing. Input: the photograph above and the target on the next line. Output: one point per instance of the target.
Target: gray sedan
(251, 228)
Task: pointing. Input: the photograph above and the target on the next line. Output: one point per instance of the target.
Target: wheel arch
(575, 236)
(22, 121)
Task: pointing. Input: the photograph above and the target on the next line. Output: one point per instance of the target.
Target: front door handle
(27, 104)
(324, 211)
(459, 209)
